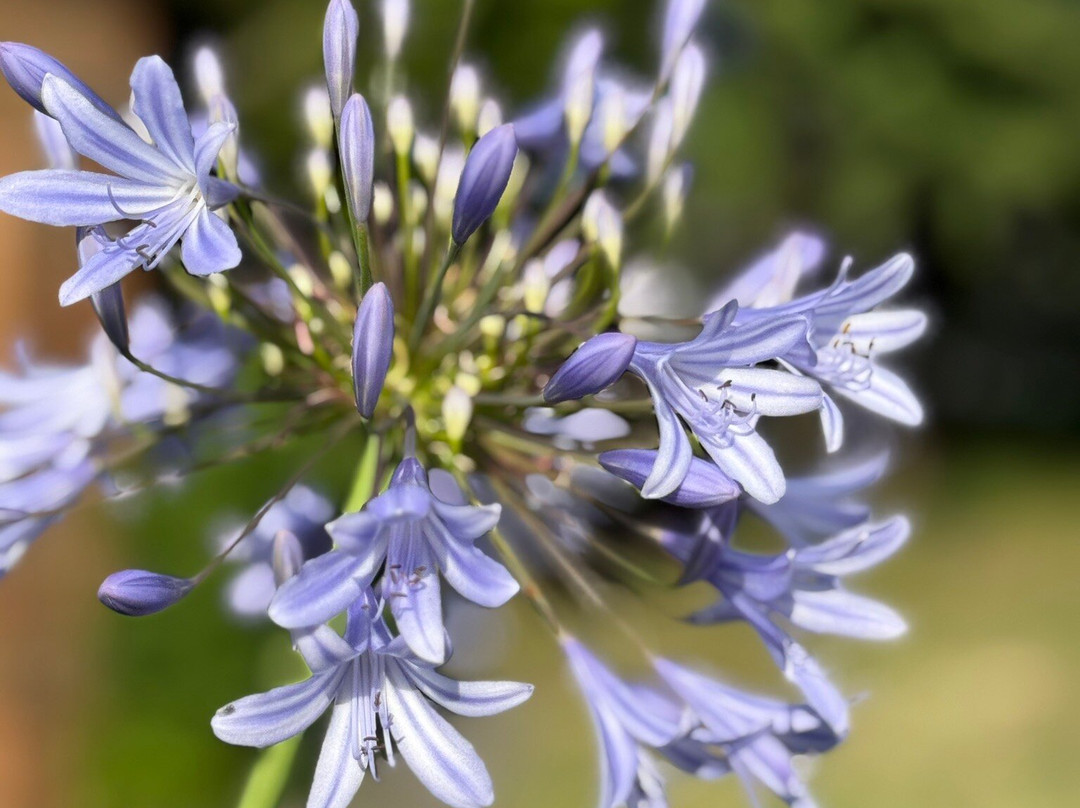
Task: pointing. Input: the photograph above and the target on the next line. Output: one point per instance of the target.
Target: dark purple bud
(137, 593)
(356, 140)
(25, 68)
(705, 485)
(340, 30)
(487, 171)
(599, 362)
(373, 347)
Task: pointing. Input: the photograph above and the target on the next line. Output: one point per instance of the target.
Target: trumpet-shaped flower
(417, 536)
(382, 698)
(711, 384)
(630, 721)
(167, 184)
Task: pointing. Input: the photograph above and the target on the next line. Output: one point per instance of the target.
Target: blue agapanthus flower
(439, 344)
(165, 184)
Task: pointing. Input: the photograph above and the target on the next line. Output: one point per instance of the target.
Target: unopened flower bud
(395, 14)
(318, 117)
(612, 113)
(109, 308)
(680, 19)
(598, 363)
(465, 97)
(687, 82)
(288, 556)
(340, 31)
(676, 184)
(209, 76)
(660, 139)
(536, 286)
(373, 347)
(579, 85)
(25, 68)
(319, 171)
(705, 485)
(602, 225)
(425, 153)
(382, 203)
(399, 124)
(457, 411)
(356, 140)
(137, 593)
(483, 180)
(490, 116)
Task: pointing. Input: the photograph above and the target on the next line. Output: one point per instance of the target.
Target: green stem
(269, 775)
(431, 298)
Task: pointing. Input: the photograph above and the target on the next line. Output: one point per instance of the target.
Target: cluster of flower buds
(448, 317)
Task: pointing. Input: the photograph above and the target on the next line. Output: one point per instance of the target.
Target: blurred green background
(944, 127)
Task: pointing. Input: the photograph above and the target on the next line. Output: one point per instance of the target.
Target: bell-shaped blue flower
(373, 347)
(137, 593)
(483, 180)
(598, 363)
(417, 536)
(382, 698)
(341, 27)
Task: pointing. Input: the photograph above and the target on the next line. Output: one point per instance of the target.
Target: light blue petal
(750, 461)
(97, 136)
(835, 611)
(207, 147)
(100, 272)
(472, 699)
(856, 550)
(769, 392)
(473, 574)
(438, 755)
(674, 453)
(324, 587)
(411, 587)
(323, 648)
(338, 774)
(269, 718)
(209, 245)
(468, 522)
(886, 394)
(78, 198)
(160, 107)
(832, 424)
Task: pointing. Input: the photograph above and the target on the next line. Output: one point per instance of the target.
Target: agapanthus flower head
(454, 336)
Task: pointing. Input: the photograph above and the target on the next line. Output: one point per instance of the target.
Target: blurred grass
(976, 708)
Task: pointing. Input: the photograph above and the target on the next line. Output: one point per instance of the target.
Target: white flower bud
(687, 82)
(602, 225)
(319, 172)
(399, 124)
(318, 117)
(425, 152)
(579, 84)
(676, 184)
(395, 14)
(465, 97)
(660, 136)
(490, 116)
(613, 118)
(457, 411)
(209, 77)
(535, 286)
(382, 203)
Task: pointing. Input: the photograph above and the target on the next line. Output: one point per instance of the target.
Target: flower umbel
(437, 339)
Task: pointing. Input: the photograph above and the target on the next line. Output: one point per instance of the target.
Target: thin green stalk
(431, 298)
